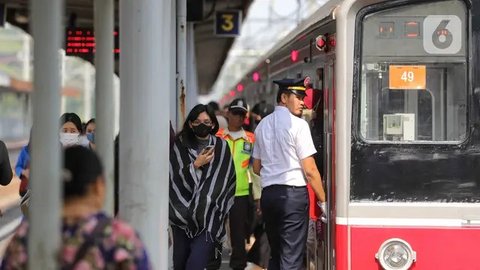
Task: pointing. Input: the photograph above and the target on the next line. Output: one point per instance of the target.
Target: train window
(414, 74)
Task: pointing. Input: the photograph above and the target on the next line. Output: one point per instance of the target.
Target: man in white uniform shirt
(283, 157)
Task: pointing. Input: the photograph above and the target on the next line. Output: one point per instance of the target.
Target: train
(395, 120)
(395, 101)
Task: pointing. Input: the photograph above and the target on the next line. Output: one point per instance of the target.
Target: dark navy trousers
(239, 231)
(191, 253)
(285, 212)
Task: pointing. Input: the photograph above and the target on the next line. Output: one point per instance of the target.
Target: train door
(322, 74)
(314, 116)
(329, 157)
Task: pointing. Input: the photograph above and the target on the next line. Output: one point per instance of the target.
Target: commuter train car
(397, 127)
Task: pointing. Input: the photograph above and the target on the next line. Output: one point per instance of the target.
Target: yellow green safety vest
(241, 149)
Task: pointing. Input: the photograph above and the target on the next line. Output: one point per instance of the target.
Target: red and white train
(397, 126)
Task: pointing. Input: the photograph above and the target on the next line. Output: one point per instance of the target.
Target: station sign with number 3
(227, 23)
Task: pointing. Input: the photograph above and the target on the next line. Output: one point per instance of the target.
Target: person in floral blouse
(90, 239)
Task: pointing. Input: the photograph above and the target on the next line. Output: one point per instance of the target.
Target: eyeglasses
(198, 122)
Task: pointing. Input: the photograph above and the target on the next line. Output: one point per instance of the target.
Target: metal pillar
(44, 231)
(173, 66)
(104, 96)
(192, 82)
(144, 129)
(181, 62)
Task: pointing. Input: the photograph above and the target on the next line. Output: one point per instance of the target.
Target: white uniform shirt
(282, 140)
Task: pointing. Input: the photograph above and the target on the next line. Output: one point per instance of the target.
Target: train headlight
(396, 254)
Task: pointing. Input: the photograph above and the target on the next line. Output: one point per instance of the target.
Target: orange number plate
(407, 77)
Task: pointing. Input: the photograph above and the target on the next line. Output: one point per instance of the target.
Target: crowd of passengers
(211, 183)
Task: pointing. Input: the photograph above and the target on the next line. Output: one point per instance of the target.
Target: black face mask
(202, 130)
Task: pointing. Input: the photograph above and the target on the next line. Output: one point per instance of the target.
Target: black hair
(81, 167)
(280, 92)
(186, 135)
(90, 122)
(263, 108)
(71, 117)
(214, 106)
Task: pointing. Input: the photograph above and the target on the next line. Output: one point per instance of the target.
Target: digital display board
(81, 42)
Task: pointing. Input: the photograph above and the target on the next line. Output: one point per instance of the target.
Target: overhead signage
(81, 42)
(405, 77)
(228, 23)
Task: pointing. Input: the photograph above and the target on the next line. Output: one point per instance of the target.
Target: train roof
(325, 13)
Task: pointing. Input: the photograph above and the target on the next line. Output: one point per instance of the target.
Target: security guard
(241, 143)
(283, 157)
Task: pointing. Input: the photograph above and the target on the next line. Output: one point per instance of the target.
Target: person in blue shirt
(22, 165)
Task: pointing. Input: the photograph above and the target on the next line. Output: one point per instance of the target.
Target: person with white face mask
(71, 130)
(69, 139)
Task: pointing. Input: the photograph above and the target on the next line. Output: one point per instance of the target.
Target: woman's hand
(203, 158)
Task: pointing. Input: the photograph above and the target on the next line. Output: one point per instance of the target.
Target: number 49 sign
(403, 77)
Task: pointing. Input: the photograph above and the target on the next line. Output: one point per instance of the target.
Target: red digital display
(412, 29)
(81, 42)
(386, 30)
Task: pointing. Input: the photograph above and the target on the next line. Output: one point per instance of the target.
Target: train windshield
(413, 84)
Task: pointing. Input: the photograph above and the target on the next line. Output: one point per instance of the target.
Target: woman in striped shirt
(202, 188)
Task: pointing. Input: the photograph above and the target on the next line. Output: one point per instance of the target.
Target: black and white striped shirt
(200, 199)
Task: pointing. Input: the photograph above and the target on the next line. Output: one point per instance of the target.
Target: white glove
(323, 206)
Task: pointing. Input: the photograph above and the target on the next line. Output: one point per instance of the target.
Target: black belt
(283, 187)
